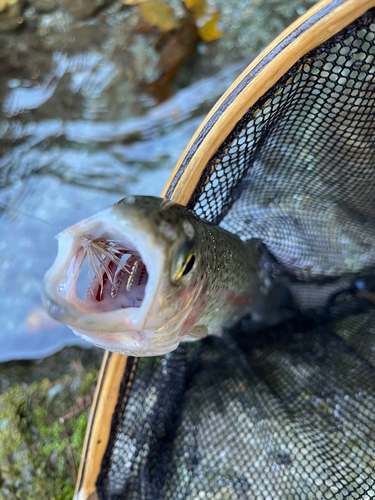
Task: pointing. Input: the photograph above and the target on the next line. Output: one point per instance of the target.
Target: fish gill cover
(286, 412)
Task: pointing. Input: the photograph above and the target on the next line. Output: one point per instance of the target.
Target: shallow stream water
(79, 128)
(98, 165)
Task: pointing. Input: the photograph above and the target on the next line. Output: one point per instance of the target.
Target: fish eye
(183, 262)
(189, 264)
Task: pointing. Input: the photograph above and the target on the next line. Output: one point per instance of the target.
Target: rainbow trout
(158, 274)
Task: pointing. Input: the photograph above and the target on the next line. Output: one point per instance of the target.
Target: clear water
(78, 131)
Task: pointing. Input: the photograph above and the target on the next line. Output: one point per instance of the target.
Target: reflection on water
(90, 75)
(25, 254)
(59, 172)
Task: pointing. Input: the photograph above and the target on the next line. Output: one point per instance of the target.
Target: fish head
(143, 276)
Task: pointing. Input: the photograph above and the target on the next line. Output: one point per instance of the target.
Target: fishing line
(19, 212)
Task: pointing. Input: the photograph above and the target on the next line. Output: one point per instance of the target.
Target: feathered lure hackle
(104, 258)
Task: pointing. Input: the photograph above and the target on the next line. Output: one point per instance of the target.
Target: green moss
(36, 448)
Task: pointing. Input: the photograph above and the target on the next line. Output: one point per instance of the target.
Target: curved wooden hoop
(312, 29)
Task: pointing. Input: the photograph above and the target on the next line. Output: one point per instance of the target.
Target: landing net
(286, 412)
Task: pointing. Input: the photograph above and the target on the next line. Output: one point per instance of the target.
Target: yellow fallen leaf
(190, 4)
(209, 31)
(158, 14)
(134, 2)
(198, 7)
(5, 4)
(206, 19)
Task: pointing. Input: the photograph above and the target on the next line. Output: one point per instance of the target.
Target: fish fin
(218, 333)
(255, 244)
(198, 332)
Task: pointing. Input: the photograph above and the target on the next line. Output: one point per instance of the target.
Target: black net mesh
(297, 170)
(286, 412)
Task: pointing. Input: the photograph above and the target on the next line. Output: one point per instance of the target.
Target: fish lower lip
(55, 309)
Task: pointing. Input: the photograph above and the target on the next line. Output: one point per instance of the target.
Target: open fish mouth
(104, 276)
(116, 273)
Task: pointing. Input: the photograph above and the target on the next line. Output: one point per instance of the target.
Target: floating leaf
(158, 14)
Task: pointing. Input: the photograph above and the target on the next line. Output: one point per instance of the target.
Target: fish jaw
(89, 317)
(132, 343)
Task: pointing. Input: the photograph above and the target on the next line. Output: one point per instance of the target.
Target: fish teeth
(129, 284)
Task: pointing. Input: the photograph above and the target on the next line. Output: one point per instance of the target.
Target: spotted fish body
(183, 278)
(233, 281)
